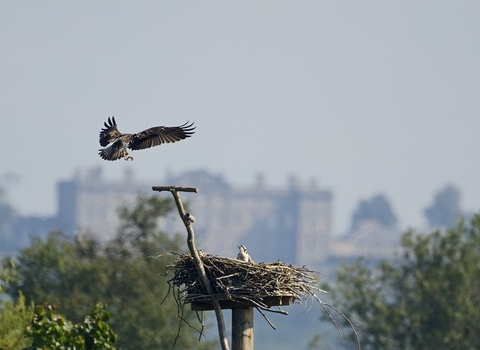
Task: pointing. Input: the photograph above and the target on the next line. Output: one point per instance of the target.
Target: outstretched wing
(109, 133)
(113, 152)
(160, 134)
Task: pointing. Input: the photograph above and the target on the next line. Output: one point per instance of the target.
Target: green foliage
(14, 318)
(122, 273)
(14, 315)
(50, 330)
(445, 208)
(376, 208)
(428, 299)
(7, 273)
(95, 329)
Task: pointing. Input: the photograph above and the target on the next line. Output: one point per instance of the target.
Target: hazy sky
(366, 97)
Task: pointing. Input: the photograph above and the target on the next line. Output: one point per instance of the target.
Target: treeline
(443, 212)
(426, 298)
(122, 274)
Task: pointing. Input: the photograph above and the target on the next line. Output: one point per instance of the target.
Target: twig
(325, 305)
(266, 318)
(201, 319)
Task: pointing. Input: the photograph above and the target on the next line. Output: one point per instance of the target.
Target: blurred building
(292, 224)
(88, 202)
(370, 239)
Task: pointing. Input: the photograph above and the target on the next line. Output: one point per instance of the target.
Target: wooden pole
(242, 328)
(187, 220)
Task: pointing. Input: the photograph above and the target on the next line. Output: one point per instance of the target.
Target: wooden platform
(230, 304)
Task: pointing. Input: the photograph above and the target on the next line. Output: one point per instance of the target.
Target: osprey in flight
(148, 138)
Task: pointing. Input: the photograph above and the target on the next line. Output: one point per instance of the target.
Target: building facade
(291, 224)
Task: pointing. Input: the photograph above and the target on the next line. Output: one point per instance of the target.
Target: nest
(246, 283)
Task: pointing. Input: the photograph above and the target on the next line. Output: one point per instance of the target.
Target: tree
(123, 273)
(429, 298)
(376, 208)
(51, 330)
(14, 315)
(445, 208)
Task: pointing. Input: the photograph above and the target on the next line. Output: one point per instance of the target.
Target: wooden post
(242, 328)
(187, 220)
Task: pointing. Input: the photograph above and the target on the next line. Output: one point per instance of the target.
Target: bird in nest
(243, 254)
(120, 142)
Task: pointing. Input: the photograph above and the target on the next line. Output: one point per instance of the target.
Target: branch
(187, 220)
(176, 188)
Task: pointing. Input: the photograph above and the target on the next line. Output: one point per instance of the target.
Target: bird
(243, 254)
(120, 143)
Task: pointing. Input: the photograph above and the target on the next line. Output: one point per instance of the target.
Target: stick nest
(247, 283)
(236, 280)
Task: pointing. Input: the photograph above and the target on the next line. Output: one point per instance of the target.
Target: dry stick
(266, 319)
(222, 333)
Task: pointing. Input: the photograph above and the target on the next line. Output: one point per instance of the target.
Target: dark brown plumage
(148, 138)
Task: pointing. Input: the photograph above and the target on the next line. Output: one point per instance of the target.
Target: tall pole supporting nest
(242, 328)
(187, 220)
(239, 285)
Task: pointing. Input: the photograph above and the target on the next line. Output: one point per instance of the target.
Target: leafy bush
(50, 330)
